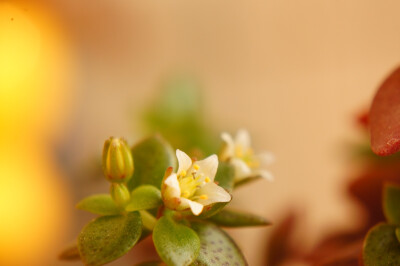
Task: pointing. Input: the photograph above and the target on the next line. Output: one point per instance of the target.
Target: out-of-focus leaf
(152, 157)
(367, 189)
(70, 254)
(231, 218)
(381, 247)
(391, 203)
(143, 198)
(99, 204)
(384, 117)
(280, 244)
(109, 237)
(398, 233)
(176, 244)
(217, 248)
(340, 249)
(178, 115)
(225, 175)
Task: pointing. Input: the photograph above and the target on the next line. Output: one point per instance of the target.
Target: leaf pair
(142, 198)
(202, 244)
(382, 243)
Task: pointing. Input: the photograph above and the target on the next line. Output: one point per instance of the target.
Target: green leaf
(151, 157)
(381, 246)
(391, 203)
(231, 218)
(176, 244)
(398, 234)
(70, 254)
(143, 198)
(217, 248)
(109, 237)
(99, 204)
(225, 175)
(212, 209)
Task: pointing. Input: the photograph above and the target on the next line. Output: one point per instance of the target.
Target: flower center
(247, 155)
(190, 182)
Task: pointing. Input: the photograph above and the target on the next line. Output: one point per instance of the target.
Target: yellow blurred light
(19, 46)
(30, 209)
(33, 100)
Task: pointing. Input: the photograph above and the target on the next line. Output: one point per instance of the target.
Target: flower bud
(117, 160)
(120, 194)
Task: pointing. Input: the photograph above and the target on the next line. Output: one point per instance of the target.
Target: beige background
(292, 72)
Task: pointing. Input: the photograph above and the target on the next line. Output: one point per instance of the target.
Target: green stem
(148, 220)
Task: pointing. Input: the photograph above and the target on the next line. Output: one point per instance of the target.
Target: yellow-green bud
(120, 194)
(117, 160)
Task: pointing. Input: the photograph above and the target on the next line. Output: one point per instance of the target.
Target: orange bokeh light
(34, 70)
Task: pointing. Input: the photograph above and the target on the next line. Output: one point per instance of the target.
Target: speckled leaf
(384, 117)
(143, 198)
(152, 157)
(225, 175)
(231, 218)
(217, 248)
(99, 204)
(176, 243)
(109, 237)
(70, 254)
(391, 203)
(381, 247)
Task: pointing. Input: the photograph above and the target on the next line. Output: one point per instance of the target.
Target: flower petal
(242, 139)
(228, 150)
(214, 194)
(241, 168)
(195, 207)
(172, 190)
(265, 174)
(208, 166)
(266, 158)
(184, 161)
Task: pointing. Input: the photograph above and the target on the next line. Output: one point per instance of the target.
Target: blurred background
(73, 73)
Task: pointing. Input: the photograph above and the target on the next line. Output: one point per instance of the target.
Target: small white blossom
(239, 153)
(192, 186)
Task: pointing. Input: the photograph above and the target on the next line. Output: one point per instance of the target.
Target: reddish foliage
(363, 119)
(280, 246)
(384, 116)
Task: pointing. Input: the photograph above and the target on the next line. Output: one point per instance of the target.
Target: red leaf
(385, 117)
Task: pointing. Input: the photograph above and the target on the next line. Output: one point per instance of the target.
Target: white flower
(239, 153)
(193, 185)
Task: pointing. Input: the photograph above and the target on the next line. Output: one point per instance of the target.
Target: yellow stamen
(204, 197)
(196, 166)
(239, 151)
(183, 173)
(186, 194)
(207, 179)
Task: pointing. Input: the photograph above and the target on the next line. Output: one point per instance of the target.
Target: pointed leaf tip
(384, 116)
